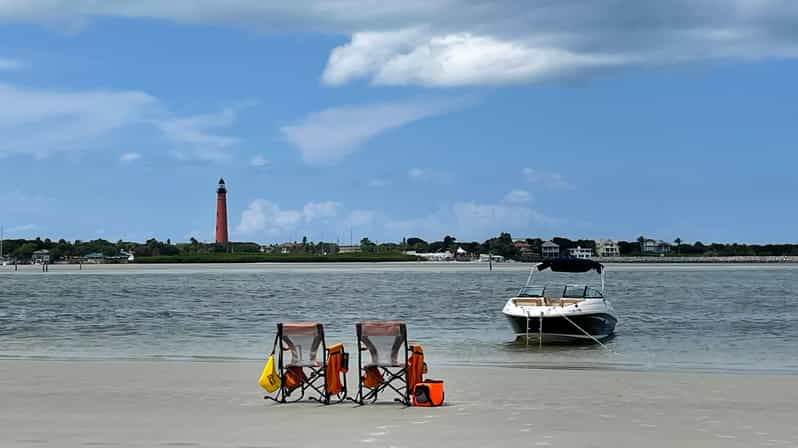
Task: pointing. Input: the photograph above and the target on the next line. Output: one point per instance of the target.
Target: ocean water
(673, 317)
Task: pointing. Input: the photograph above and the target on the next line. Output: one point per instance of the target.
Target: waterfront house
(353, 249)
(485, 258)
(583, 253)
(94, 258)
(524, 248)
(40, 256)
(656, 247)
(607, 248)
(550, 249)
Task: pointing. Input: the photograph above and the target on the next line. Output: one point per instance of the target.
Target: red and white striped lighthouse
(221, 213)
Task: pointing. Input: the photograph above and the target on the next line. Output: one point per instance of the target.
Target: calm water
(672, 317)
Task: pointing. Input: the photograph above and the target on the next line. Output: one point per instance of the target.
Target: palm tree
(642, 240)
(678, 242)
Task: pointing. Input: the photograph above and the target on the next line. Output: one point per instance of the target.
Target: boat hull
(559, 329)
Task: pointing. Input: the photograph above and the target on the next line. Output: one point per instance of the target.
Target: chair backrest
(302, 341)
(383, 341)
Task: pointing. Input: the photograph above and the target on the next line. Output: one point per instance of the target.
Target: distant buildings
(583, 253)
(607, 248)
(524, 248)
(40, 256)
(432, 256)
(485, 258)
(99, 258)
(353, 249)
(655, 247)
(550, 249)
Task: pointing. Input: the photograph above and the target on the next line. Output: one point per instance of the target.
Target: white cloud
(379, 183)
(45, 122)
(195, 138)
(316, 210)
(416, 173)
(429, 175)
(332, 134)
(10, 64)
(129, 157)
(358, 218)
(259, 161)
(517, 197)
(266, 217)
(454, 60)
(466, 42)
(549, 180)
(42, 122)
(470, 220)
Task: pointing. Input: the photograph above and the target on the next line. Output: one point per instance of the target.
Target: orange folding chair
(300, 369)
(388, 365)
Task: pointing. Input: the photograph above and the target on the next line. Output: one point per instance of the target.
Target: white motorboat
(571, 313)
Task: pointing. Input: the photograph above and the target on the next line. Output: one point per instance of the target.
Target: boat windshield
(531, 291)
(592, 293)
(580, 291)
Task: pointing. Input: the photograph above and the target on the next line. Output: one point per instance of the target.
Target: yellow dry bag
(269, 379)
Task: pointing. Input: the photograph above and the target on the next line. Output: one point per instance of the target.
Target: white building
(353, 249)
(432, 256)
(656, 247)
(607, 248)
(550, 249)
(485, 258)
(583, 253)
(41, 256)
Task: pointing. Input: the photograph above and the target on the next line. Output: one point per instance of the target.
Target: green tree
(366, 245)
(678, 242)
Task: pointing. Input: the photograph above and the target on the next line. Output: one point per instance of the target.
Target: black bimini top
(570, 265)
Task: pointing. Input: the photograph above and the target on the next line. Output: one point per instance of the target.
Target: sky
(331, 118)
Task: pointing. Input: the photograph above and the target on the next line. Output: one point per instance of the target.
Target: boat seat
(564, 302)
(528, 301)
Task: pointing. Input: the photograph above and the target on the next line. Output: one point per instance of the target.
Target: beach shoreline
(169, 403)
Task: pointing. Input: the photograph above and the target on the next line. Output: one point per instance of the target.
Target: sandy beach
(218, 404)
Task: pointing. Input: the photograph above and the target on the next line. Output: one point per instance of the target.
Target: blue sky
(117, 119)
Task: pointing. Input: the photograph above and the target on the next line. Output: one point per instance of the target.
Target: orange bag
(428, 393)
(336, 365)
(373, 377)
(294, 376)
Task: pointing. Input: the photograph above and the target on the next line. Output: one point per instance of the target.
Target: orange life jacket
(415, 366)
(294, 376)
(373, 377)
(337, 366)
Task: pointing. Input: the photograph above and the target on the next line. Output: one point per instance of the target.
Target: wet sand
(218, 404)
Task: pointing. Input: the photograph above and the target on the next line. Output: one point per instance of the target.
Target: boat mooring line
(585, 332)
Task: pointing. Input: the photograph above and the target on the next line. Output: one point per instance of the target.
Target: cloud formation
(129, 157)
(195, 137)
(10, 64)
(42, 122)
(476, 220)
(264, 217)
(464, 42)
(547, 180)
(259, 161)
(332, 134)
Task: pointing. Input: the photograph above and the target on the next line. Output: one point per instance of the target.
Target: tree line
(503, 244)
